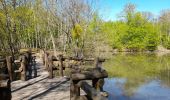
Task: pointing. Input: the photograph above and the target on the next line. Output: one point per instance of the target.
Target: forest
(75, 27)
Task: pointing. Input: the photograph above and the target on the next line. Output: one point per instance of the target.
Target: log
(90, 75)
(34, 66)
(74, 90)
(10, 67)
(29, 63)
(61, 65)
(28, 55)
(46, 60)
(91, 92)
(50, 66)
(42, 52)
(23, 68)
(98, 84)
(79, 59)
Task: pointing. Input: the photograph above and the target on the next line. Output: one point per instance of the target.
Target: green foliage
(31, 25)
(135, 33)
(166, 41)
(77, 31)
(114, 32)
(164, 23)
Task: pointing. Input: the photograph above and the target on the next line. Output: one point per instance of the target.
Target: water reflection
(138, 77)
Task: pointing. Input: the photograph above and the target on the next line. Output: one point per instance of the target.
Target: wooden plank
(91, 92)
(89, 75)
(78, 59)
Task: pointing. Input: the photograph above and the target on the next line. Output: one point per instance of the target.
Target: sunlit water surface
(138, 77)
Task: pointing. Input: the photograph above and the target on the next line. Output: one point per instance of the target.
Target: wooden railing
(8, 75)
(26, 62)
(96, 75)
(6, 78)
(5, 89)
(79, 76)
(50, 66)
(7, 63)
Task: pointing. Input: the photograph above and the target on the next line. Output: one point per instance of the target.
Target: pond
(138, 76)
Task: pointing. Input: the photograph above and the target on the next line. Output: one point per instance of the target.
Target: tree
(164, 21)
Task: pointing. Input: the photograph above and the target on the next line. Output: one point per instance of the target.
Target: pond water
(138, 77)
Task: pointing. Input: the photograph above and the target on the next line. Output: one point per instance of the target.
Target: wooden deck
(40, 87)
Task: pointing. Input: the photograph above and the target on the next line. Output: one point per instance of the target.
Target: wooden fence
(96, 75)
(49, 60)
(8, 72)
(78, 76)
(26, 62)
(6, 78)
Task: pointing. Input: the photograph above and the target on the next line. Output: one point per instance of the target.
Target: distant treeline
(74, 26)
(138, 31)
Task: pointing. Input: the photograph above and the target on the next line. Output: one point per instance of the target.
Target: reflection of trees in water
(131, 85)
(164, 74)
(139, 69)
(165, 78)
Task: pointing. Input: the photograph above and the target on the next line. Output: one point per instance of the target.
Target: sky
(109, 9)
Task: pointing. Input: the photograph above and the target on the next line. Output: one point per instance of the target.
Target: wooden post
(23, 67)
(74, 90)
(10, 67)
(91, 92)
(61, 65)
(94, 83)
(46, 60)
(98, 84)
(29, 63)
(5, 90)
(96, 65)
(96, 62)
(50, 66)
(34, 66)
(42, 52)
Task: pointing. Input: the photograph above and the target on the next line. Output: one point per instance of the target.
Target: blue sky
(109, 9)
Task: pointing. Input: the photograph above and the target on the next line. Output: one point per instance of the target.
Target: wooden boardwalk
(40, 87)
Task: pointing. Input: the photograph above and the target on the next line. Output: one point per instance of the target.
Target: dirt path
(41, 88)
